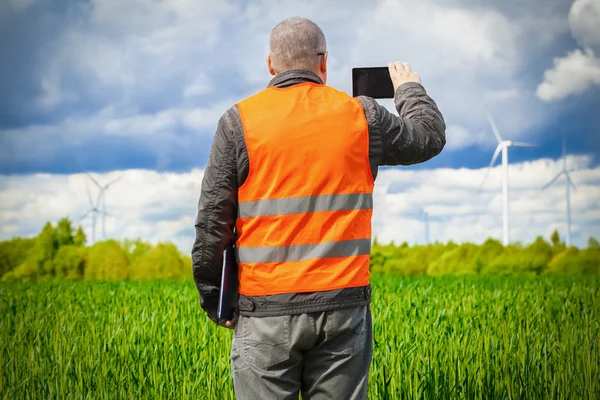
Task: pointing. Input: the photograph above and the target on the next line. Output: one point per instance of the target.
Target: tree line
(60, 252)
(490, 258)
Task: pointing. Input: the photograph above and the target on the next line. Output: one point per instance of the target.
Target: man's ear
(323, 64)
(271, 70)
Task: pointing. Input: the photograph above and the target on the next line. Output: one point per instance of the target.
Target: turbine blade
(87, 189)
(522, 144)
(492, 124)
(93, 180)
(552, 181)
(111, 182)
(85, 215)
(570, 181)
(99, 199)
(494, 157)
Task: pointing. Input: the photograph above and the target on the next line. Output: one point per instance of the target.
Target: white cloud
(52, 93)
(142, 204)
(459, 211)
(200, 85)
(133, 46)
(162, 206)
(457, 137)
(461, 50)
(136, 50)
(571, 75)
(501, 94)
(579, 70)
(583, 20)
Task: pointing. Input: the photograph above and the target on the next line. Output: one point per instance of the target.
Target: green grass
(471, 338)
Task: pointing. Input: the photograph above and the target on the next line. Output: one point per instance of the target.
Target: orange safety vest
(304, 211)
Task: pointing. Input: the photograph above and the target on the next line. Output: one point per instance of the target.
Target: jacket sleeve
(415, 136)
(217, 211)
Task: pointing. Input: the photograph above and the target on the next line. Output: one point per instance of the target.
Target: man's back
(305, 207)
(289, 180)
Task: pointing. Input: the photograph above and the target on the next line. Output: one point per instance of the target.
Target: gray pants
(323, 355)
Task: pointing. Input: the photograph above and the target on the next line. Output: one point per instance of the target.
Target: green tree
(516, 259)
(571, 261)
(38, 263)
(135, 249)
(80, 239)
(593, 243)
(46, 244)
(28, 269)
(458, 261)
(486, 254)
(557, 245)
(106, 261)
(13, 253)
(555, 238)
(69, 262)
(164, 261)
(64, 232)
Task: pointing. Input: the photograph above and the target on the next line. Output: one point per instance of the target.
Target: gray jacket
(414, 137)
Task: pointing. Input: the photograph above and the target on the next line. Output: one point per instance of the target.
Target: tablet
(229, 285)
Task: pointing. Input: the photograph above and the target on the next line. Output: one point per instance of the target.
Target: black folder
(229, 285)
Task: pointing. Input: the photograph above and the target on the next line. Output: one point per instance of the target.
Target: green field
(435, 338)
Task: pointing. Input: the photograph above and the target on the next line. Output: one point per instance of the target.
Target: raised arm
(417, 134)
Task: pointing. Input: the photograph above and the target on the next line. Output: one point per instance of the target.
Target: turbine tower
(503, 146)
(100, 206)
(568, 182)
(94, 209)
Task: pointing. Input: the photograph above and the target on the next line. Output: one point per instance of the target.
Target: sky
(133, 90)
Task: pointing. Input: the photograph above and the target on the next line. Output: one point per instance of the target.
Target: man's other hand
(402, 73)
(230, 324)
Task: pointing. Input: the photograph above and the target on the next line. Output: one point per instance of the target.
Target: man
(290, 180)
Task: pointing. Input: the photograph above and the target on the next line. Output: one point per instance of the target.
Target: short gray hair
(295, 43)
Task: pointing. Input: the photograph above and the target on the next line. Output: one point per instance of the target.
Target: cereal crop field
(435, 338)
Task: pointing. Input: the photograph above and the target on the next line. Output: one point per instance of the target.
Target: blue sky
(108, 85)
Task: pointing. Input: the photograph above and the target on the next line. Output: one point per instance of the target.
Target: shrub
(571, 261)
(164, 261)
(107, 261)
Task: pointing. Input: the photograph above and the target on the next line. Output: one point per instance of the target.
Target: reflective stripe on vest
(294, 205)
(304, 216)
(302, 252)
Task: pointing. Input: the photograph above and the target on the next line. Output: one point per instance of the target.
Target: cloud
(110, 141)
(161, 206)
(459, 211)
(571, 75)
(583, 20)
(156, 68)
(579, 70)
(142, 204)
(462, 49)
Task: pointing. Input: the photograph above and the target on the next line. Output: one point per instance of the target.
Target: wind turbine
(93, 210)
(503, 146)
(100, 206)
(568, 182)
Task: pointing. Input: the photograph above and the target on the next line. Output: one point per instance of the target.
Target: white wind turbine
(568, 182)
(503, 146)
(100, 206)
